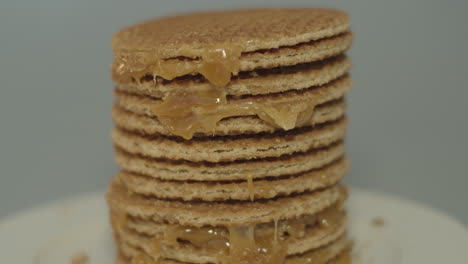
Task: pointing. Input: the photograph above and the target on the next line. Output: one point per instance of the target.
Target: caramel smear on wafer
(186, 112)
(244, 248)
(208, 238)
(216, 64)
(247, 244)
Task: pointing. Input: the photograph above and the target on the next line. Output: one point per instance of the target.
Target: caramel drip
(250, 187)
(304, 116)
(329, 218)
(243, 246)
(219, 63)
(185, 113)
(276, 231)
(205, 237)
(246, 248)
(216, 64)
(216, 238)
(155, 248)
(294, 228)
(260, 244)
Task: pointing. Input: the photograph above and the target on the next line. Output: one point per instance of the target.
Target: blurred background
(409, 110)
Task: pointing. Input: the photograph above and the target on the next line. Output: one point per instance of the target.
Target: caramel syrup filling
(257, 244)
(186, 113)
(216, 64)
(209, 238)
(245, 248)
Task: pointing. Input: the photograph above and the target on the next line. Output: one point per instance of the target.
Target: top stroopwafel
(247, 39)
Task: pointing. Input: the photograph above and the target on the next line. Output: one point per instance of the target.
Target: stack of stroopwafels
(229, 132)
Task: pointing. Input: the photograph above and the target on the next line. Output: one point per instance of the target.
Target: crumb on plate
(378, 222)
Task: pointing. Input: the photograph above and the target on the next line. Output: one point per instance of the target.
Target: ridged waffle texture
(229, 130)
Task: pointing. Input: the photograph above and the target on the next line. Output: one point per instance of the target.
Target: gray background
(408, 111)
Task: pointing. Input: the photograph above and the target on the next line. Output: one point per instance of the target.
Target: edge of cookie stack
(229, 133)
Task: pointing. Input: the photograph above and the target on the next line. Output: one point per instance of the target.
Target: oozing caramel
(257, 244)
(185, 113)
(208, 238)
(216, 64)
(155, 248)
(297, 227)
(246, 248)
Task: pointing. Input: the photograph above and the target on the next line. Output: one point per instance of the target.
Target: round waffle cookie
(195, 213)
(227, 171)
(223, 149)
(260, 81)
(286, 110)
(257, 38)
(241, 125)
(249, 189)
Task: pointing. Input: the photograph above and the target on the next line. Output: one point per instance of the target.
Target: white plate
(411, 233)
